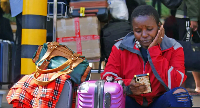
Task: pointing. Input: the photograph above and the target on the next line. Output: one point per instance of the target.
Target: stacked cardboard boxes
(81, 35)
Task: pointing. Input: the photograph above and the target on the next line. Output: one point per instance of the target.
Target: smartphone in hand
(144, 80)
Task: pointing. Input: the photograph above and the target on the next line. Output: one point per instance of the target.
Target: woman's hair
(145, 10)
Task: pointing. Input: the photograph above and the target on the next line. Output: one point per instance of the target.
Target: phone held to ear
(144, 80)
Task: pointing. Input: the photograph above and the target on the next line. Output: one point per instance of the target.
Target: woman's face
(145, 29)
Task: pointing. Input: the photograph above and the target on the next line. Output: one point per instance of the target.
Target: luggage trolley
(68, 85)
(66, 97)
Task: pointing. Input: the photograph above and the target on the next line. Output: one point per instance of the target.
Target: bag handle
(42, 71)
(189, 31)
(52, 51)
(56, 75)
(70, 62)
(74, 61)
(90, 12)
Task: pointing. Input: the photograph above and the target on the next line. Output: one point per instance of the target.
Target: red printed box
(81, 35)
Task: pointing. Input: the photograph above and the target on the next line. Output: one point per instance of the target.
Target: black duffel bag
(172, 4)
(192, 54)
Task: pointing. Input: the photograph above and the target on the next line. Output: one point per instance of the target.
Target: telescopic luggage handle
(54, 20)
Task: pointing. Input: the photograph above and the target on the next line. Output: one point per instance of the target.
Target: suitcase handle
(90, 12)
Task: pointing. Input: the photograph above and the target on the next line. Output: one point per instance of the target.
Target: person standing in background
(188, 16)
(158, 6)
(16, 11)
(5, 28)
(132, 4)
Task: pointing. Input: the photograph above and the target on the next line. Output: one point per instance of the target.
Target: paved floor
(189, 83)
(196, 101)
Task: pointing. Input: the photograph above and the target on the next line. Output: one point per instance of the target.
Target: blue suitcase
(6, 61)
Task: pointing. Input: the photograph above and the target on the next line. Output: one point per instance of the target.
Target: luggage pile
(86, 28)
(78, 25)
(89, 27)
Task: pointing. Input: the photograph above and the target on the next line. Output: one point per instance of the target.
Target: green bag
(52, 57)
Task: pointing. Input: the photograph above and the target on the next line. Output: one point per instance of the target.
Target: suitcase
(5, 55)
(61, 8)
(6, 61)
(89, 8)
(12, 56)
(1, 61)
(66, 96)
(101, 94)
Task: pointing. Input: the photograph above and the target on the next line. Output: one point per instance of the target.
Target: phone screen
(144, 80)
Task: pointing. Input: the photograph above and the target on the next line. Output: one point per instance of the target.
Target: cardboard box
(95, 76)
(81, 35)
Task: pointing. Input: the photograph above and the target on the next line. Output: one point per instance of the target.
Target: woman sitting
(148, 50)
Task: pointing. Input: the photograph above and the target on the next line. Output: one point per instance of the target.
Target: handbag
(53, 57)
(191, 53)
(172, 4)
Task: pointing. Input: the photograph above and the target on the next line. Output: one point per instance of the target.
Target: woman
(149, 51)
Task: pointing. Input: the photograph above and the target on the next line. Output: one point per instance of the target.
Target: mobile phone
(144, 80)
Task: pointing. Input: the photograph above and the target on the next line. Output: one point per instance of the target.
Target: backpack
(109, 35)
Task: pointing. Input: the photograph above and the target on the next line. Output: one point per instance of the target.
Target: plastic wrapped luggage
(89, 8)
(101, 94)
(6, 61)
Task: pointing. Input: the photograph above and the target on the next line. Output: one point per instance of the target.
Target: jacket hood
(128, 42)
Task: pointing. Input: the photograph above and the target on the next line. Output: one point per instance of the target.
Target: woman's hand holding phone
(137, 88)
(159, 37)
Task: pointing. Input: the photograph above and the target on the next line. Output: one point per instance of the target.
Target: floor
(189, 84)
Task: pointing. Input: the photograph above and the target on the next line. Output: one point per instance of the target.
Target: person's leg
(131, 5)
(17, 64)
(130, 103)
(177, 97)
(154, 3)
(196, 76)
(159, 7)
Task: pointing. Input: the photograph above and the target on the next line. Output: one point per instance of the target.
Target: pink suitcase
(101, 94)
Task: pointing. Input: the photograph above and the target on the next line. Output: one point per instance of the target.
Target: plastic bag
(118, 9)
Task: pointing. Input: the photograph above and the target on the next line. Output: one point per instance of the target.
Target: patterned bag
(26, 94)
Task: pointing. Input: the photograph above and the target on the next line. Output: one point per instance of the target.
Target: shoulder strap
(156, 74)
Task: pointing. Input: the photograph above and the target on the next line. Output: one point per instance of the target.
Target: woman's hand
(137, 88)
(159, 37)
(194, 25)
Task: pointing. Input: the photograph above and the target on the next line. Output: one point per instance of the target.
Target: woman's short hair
(145, 10)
